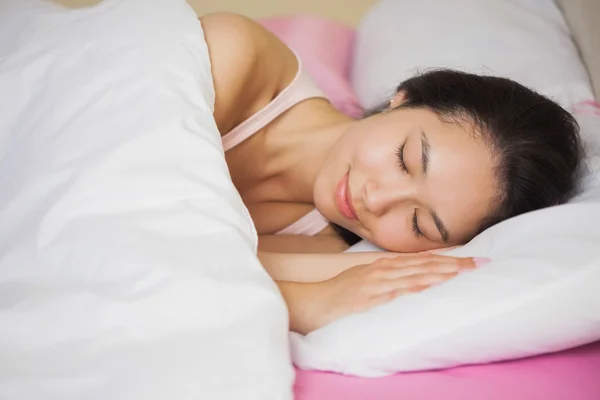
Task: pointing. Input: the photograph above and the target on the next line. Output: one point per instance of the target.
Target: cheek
(396, 235)
(374, 154)
(393, 234)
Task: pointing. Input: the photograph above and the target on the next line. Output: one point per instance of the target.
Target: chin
(323, 203)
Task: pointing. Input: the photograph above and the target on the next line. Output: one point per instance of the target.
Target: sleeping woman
(450, 155)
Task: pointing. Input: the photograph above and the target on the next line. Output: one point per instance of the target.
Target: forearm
(300, 299)
(314, 267)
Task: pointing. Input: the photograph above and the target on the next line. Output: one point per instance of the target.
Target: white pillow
(538, 295)
(127, 258)
(526, 40)
(540, 292)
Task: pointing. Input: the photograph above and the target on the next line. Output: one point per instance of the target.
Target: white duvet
(127, 258)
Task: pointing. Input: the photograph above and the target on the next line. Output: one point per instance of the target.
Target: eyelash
(400, 155)
(415, 225)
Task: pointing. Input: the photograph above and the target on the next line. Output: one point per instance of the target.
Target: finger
(417, 289)
(462, 260)
(430, 260)
(422, 269)
(425, 280)
(409, 283)
(444, 259)
(468, 262)
(393, 294)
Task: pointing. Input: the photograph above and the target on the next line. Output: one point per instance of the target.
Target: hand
(365, 286)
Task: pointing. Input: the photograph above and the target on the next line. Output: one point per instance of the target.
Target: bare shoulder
(249, 66)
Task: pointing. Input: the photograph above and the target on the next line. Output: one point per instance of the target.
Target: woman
(450, 155)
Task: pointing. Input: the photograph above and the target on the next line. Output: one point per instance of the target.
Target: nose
(379, 197)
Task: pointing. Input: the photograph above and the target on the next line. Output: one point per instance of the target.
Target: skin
(457, 186)
(296, 162)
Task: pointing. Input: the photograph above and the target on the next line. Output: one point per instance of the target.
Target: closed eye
(400, 155)
(415, 225)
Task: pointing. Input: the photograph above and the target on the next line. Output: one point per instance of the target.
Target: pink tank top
(301, 88)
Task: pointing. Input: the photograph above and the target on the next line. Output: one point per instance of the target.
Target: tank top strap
(309, 225)
(301, 88)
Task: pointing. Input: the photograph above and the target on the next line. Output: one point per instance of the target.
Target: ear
(397, 100)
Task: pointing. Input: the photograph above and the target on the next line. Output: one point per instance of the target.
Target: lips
(343, 199)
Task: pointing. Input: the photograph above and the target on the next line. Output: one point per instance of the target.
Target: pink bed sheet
(326, 50)
(568, 375)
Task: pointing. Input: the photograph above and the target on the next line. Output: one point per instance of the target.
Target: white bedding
(127, 258)
(540, 292)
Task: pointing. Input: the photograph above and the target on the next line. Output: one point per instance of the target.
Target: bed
(569, 374)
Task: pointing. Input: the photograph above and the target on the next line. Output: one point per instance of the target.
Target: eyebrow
(424, 152)
(440, 226)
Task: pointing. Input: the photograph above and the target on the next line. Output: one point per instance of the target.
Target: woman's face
(407, 181)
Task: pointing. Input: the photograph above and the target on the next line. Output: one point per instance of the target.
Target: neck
(295, 157)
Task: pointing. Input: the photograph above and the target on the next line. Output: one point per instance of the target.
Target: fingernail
(479, 261)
